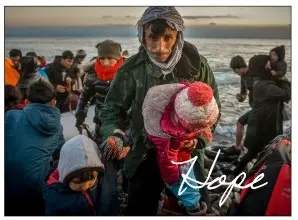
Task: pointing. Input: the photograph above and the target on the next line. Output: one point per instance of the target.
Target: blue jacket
(32, 135)
(100, 200)
(43, 72)
(60, 200)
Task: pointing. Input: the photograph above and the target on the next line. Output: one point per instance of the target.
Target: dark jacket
(101, 199)
(29, 74)
(129, 88)
(265, 119)
(60, 200)
(32, 136)
(247, 85)
(55, 74)
(93, 87)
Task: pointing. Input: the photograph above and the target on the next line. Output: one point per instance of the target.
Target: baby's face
(77, 185)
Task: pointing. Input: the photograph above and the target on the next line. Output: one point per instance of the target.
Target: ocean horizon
(211, 31)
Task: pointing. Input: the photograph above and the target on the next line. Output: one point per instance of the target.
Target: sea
(217, 51)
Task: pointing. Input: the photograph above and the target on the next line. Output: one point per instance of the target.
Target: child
(33, 138)
(13, 97)
(98, 79)
(277, 62)
(75, 187)
(175, 115)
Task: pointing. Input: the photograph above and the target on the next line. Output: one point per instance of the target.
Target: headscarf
(175, 21)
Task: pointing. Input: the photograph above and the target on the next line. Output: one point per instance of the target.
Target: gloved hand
(241, 97)
(116, 146)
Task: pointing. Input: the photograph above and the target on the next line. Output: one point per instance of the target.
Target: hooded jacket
(79, 153)
(280, 66)
(32, 135)
(265, 118)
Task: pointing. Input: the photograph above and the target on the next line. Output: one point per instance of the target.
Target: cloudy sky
(87, 16)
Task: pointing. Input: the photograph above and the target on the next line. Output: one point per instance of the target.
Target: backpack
(273, 199)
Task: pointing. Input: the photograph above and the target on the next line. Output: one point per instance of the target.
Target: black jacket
(265, 119)
(247, 85)
(55, 74)
(93, 87)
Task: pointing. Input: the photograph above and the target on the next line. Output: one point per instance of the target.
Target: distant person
(40, 63)
(98, 80)
(239, 66)
(29, 74)
(265, 119)
(13, 97)
(12, 67)
(77, 63)
(277, 62)
(61, 79)
(33, 139)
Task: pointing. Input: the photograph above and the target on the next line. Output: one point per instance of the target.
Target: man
(164, 57)
(61, 78)
(32, 137)
(240, 68)
(12, 67)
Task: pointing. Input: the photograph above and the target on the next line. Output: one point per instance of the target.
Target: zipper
(89, 200)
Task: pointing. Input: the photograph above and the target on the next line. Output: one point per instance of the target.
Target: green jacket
(128, 90)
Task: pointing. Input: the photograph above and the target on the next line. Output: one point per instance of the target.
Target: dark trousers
(145, 188)
(253, 150)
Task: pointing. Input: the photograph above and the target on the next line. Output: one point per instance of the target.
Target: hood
(281, 52)
(78, 154)
(28, 65)
(257, 67)
(43, 117)
(155, 102)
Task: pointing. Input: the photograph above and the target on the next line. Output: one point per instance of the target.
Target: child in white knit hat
(175, 114)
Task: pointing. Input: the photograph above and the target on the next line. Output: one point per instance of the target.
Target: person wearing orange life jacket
(98, 79)
(12, 67)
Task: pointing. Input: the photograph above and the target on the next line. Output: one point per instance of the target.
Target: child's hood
(280, 51)
(79, 153)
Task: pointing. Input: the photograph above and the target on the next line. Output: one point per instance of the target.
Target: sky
(90, 16)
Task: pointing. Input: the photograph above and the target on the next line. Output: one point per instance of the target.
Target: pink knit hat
(195, 107)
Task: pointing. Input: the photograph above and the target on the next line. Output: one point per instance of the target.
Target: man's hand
(60, 89)
(68, 80)
(115, 147)
(241, 97)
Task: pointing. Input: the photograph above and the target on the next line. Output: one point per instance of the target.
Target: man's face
(66, 63)
(240, 71)
(80, 59)
(16, 60)
(160, 47)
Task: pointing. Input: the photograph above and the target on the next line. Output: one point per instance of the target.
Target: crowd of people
(158, 106)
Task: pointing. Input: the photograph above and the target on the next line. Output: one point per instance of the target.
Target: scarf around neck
(106, 74)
